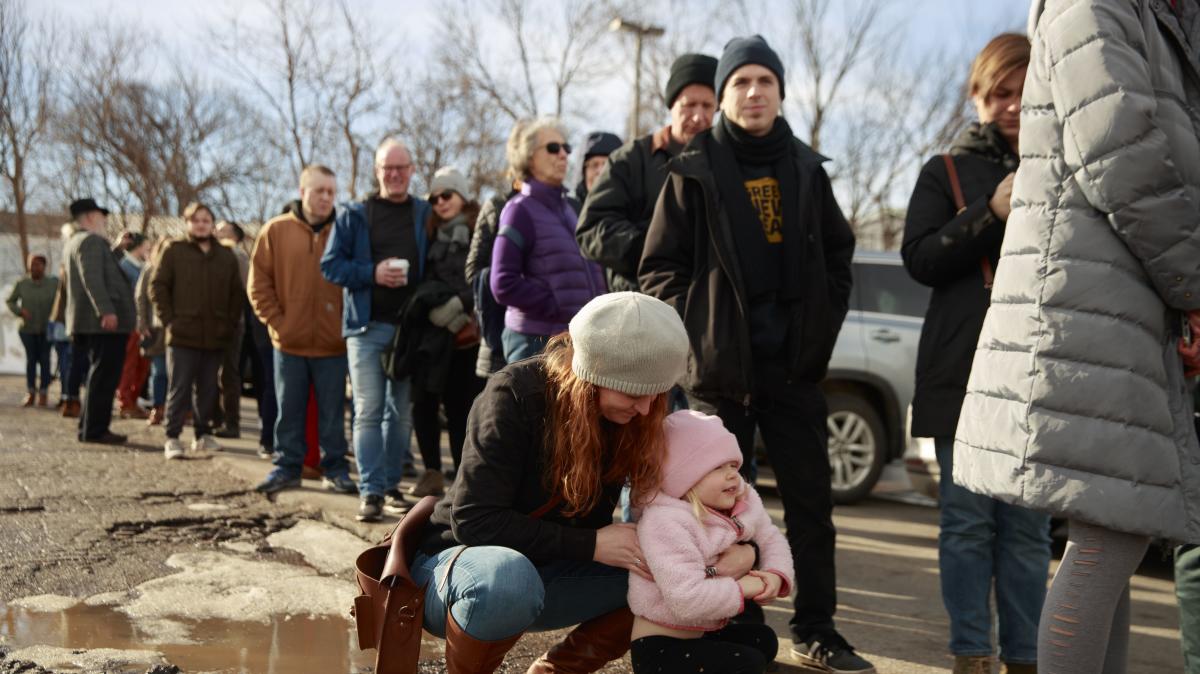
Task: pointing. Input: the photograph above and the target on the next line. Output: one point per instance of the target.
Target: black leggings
(462, 385)
(737, 649)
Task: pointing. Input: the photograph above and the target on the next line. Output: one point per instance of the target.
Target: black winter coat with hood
(944, 249)
(691, 262)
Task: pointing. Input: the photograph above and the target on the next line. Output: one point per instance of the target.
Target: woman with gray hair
(537, 269)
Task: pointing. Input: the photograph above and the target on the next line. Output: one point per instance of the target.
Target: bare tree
(830, 55)
(166, 143)
(288, 71)
(449, 123)
(28, 53)
(353, 82)
(552, 51)
(904, 115)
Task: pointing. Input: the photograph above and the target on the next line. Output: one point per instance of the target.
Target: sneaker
(395, 503)
(206, 443)
(830, 653)
(226, 432)
(277, 482)
(341, 484)
(173, 449)
(265, 452)
(370, 509)
(431, 484)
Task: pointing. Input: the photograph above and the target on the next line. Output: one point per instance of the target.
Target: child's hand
(752, 585)
(772, 583)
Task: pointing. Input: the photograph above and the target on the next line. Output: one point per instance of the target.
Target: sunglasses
(438, 198)
(555, 148)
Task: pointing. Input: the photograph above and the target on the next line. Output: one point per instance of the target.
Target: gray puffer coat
(1077, 404)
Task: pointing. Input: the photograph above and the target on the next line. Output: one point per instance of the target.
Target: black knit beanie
(600, 143)
(741, 51)
(689, 69)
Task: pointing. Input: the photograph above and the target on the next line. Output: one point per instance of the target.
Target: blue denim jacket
(347, 260)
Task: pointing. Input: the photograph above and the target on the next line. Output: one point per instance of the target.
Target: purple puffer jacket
(537, 269)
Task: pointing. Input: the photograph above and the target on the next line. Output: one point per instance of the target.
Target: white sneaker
(206, 443)
(173, 449)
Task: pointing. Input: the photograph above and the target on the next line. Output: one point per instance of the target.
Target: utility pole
(640, 33)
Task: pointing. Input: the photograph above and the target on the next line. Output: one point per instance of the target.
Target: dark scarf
(733, 147)
(296, 208)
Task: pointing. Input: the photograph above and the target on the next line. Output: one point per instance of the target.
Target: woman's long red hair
(585, 451)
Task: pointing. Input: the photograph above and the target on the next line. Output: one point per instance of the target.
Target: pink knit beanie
(696, 444)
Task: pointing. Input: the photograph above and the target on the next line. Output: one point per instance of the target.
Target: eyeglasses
(555, 148)
(444, 196)
(397, 168)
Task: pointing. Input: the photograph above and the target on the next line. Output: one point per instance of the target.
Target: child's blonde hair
(698, 507)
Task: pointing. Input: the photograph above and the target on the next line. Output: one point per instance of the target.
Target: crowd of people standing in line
(707, 265)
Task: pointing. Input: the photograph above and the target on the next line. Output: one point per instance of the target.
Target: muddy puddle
(283, 645)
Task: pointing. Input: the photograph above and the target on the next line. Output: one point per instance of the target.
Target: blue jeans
(519, 346)
(496, 592)
(293, 377)
(63, 366)
(380, 455)
(37, 354)
(982, 539)
(158, 379)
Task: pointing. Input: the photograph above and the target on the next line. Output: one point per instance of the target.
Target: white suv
(870, 382)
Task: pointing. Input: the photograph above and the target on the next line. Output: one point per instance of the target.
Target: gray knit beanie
(629, 342)
(449, 178)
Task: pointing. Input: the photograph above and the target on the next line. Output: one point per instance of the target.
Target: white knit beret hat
(629, 342)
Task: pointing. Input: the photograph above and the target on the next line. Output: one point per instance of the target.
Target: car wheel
(856, 447)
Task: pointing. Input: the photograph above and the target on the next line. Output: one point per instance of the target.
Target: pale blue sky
(959, 26)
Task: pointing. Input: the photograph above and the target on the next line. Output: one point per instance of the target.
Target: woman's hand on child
(752, 585)
(735, 562)
(617, 546)
(772, 583)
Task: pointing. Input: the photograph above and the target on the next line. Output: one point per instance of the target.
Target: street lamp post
(640, 33)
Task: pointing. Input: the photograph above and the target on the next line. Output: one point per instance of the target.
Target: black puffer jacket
(612, 227)
(691, 262)
(500, 481)
(943, 249)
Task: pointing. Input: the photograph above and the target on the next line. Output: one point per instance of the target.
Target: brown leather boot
(156, 416)
(588, 647)
(41, 401)
(972, 664)
(71, 409)
(28, 401)
(467, 655)
(1019, 668)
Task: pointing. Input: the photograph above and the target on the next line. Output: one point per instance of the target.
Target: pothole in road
(219, 612)
(102, 639)
(201, 528)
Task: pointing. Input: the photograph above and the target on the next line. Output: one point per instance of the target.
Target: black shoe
(370, 509)
(277, 482)
(227, 433)
(449, 474)
(410, 472)
(830, 653)
(107, 438)
(395, 503)
(341, 484)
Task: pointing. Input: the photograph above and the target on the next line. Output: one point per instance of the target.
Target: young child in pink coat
(703, 507)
